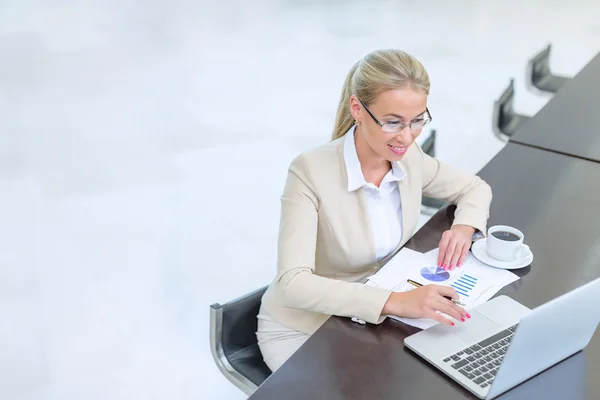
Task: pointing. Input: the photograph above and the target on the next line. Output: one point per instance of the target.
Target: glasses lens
(392, 128)
(414, 126)
(417, 125)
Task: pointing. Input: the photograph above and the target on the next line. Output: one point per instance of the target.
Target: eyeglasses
(395, 127)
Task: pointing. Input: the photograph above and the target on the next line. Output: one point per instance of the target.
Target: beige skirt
(277, 342)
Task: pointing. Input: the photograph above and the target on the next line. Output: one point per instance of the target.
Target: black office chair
(539, 76)
(233, 341)
(505, 121)
(428, 145)
(430, 206)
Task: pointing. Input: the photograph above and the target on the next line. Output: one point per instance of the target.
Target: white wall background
(144, 144)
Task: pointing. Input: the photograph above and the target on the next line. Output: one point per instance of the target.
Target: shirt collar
(356, 179)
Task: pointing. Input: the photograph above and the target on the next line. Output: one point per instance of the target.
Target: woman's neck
(373, 166)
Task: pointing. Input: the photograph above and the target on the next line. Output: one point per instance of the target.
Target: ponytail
(343, 118)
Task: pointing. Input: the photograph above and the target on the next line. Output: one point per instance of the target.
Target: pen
(417, 284)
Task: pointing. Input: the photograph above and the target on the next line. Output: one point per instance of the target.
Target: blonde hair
(377, 72)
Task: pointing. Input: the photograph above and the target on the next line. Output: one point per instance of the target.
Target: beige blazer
(326, 251)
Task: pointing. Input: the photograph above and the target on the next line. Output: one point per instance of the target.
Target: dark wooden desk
(570, 122)
(555, 201)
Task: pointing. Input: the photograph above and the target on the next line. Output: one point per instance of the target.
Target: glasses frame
(403, 125)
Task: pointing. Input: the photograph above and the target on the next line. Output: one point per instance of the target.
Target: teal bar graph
(464, 284)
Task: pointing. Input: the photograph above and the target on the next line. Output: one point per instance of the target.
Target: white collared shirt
(383, 203)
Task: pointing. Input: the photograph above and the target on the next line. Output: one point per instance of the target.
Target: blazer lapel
(408, 211)
(409, 192)
(354, 203)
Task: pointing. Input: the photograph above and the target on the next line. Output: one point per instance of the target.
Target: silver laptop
(504, 343)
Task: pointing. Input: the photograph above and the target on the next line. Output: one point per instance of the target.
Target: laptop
(504, 343)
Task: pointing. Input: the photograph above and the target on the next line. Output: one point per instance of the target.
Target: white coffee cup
(506, 243)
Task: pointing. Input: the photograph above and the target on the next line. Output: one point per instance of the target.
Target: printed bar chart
(464, 285)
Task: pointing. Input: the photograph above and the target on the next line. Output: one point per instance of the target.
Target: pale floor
(144, 145)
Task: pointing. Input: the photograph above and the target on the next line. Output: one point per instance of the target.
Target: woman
(351, 204)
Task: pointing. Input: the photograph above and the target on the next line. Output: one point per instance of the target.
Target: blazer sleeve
(471, 194)
(301, 288)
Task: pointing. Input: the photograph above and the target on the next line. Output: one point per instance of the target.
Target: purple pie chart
(435, 274)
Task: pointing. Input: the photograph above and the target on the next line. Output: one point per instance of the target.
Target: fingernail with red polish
(463, 320)
(452, 323)
(468, 315)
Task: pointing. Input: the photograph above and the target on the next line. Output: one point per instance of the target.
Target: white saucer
(480, 253)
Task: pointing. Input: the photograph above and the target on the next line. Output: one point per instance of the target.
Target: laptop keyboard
(481, 361)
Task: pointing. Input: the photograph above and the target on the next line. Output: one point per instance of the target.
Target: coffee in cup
(508, 236)
(505, 243)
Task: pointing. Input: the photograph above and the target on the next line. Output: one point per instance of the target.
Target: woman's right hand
(424, 302)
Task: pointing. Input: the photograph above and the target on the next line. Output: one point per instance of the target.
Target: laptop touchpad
(476, 328)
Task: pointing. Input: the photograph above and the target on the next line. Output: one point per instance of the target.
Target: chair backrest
(503, 109)
(540, 64)
(240, 323)
(429, 144)
(506, 104)
(233, 341)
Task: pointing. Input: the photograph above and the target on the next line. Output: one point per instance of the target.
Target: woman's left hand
(454, 246)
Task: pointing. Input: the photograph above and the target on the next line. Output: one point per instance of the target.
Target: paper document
(474, 281)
